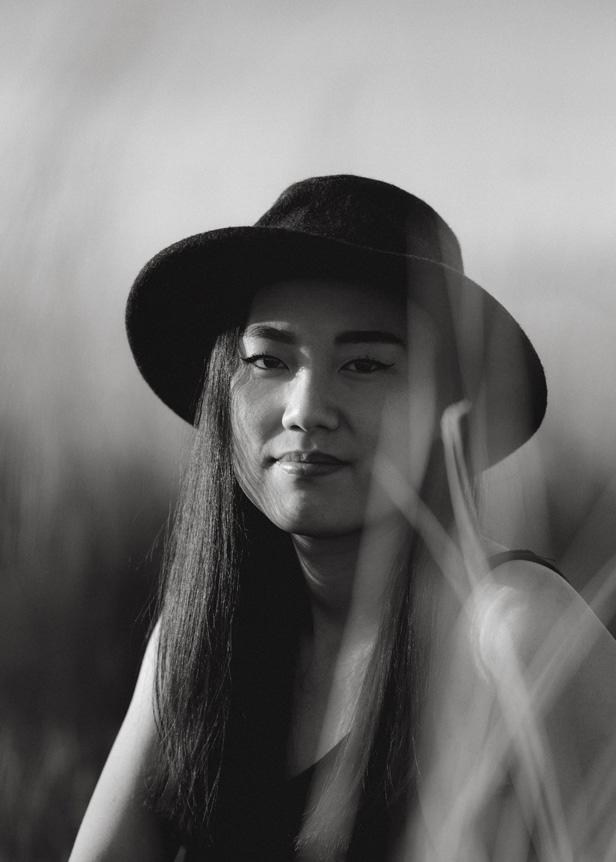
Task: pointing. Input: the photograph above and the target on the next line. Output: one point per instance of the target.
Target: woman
(342, 667)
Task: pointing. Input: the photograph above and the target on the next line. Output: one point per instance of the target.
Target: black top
(265, 829)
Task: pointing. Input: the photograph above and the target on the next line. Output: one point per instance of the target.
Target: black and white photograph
(308, 431)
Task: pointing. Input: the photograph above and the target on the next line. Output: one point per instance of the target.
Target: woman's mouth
(309, 464)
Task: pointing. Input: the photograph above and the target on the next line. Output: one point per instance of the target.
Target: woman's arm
(118, 825)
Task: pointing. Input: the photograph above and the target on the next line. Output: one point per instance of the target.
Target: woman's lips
(309, 464)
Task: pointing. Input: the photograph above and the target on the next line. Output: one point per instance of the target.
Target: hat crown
(368, 213)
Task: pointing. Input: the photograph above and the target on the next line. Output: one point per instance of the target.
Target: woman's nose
(310, 405)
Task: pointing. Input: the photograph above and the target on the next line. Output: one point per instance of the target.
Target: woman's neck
(347, 579)
(347, 576)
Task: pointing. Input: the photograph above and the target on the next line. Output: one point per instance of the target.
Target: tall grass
(84, 481)
(111, 146)
(498, 725)
(78, 561)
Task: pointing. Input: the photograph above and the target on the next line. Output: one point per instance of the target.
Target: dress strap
(507, 556)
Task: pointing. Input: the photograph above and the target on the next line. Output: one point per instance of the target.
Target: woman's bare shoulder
(541, 648)
(523, 606)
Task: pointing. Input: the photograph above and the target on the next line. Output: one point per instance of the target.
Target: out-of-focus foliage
(131, 123)
(78, 565)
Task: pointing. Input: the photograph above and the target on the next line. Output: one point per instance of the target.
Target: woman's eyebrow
(368, 336)
(272, 333)
(351, 336)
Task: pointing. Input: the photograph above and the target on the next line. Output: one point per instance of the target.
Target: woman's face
(323, 385)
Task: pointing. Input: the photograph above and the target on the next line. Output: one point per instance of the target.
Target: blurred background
(129, 124)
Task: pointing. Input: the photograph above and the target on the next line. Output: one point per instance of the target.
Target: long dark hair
(232, 605)
(231, 583)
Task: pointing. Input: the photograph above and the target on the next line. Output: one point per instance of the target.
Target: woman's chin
(328, 521)
(318, 524)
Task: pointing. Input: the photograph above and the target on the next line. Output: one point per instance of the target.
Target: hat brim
(194, 290)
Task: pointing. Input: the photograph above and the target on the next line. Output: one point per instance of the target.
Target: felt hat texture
(343, 228)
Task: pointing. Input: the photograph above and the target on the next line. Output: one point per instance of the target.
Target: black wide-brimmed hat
(350, 229)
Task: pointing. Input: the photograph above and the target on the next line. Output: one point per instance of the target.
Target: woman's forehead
(328, 304)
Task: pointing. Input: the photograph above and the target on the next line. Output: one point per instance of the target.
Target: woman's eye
(264, 361)
(366, 365)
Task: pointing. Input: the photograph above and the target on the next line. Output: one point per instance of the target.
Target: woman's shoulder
(523, 604)
(547, 664)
